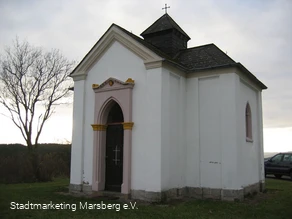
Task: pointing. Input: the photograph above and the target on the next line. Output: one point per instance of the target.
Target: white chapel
(155, 120)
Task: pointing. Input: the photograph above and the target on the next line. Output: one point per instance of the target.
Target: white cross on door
(116, 150)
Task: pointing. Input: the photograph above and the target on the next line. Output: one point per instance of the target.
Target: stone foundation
(175, 193)
(146, 196)
(87, 189)
(77, 188)
(111, 194)
(232, 195)
(262, 186)
(198, 193)
(254, 188)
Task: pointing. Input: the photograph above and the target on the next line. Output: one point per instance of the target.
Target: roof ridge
(176, 24)
(151, 25)
(224, 53)
(195, 47)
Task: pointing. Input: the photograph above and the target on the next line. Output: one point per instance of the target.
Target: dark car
(279, 165)
(266, 159)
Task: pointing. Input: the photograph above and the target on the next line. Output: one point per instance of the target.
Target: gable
(113, 34)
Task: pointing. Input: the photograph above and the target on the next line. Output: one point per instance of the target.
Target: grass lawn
(276, 203)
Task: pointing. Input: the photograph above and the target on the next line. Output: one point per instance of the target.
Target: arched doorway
(114, 149)
(113, 125)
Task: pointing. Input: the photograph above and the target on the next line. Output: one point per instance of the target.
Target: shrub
(16, 165)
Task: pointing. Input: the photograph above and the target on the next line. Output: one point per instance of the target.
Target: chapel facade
(155, 120)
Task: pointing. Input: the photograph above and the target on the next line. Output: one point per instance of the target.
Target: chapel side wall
(261, 140)
(249, 153)
(173, 131)
(192, 159)
(229, 132)
(77, 137)
(210, 140)
(211, 131)
(121, 63)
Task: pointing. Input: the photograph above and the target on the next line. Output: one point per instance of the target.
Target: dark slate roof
(202, 57)
(199, 58)
(193, 59)
(165, 22)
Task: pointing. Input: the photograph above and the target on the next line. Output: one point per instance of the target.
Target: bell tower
(166, 35)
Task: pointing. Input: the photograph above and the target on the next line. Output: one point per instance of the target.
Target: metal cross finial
(165, 8)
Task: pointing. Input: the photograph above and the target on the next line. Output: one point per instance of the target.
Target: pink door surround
(109, 92)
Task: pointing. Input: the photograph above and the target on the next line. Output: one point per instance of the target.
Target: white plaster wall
(192, 157)
(211, 131)
(229, 133)
(248, 152)
(121, 63)
(77, 137)
(210, 135)
(261, 140)
(173, 139)
(146, 156)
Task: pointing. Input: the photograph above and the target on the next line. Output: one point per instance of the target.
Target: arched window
(248, 123)
(115, 114)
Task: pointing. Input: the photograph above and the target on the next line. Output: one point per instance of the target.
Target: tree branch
(29, 76)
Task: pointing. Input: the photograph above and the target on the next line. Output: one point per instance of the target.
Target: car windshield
(277, 158)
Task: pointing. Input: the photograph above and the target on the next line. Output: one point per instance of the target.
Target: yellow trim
(130, 80)
(95, 86)
(98, 127)
(128, 125)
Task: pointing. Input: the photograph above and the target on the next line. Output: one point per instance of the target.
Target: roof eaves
(236, 65)
(250, 75)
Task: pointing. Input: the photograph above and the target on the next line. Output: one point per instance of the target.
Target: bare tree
(31, 79)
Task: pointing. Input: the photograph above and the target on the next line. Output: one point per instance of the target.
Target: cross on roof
(165, 8)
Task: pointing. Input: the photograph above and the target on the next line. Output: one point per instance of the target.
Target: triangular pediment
(113, 34)
(113, 84)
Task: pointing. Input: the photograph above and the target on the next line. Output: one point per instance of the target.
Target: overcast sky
(257, 33)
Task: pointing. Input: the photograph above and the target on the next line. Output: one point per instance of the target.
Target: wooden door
(114, 157)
